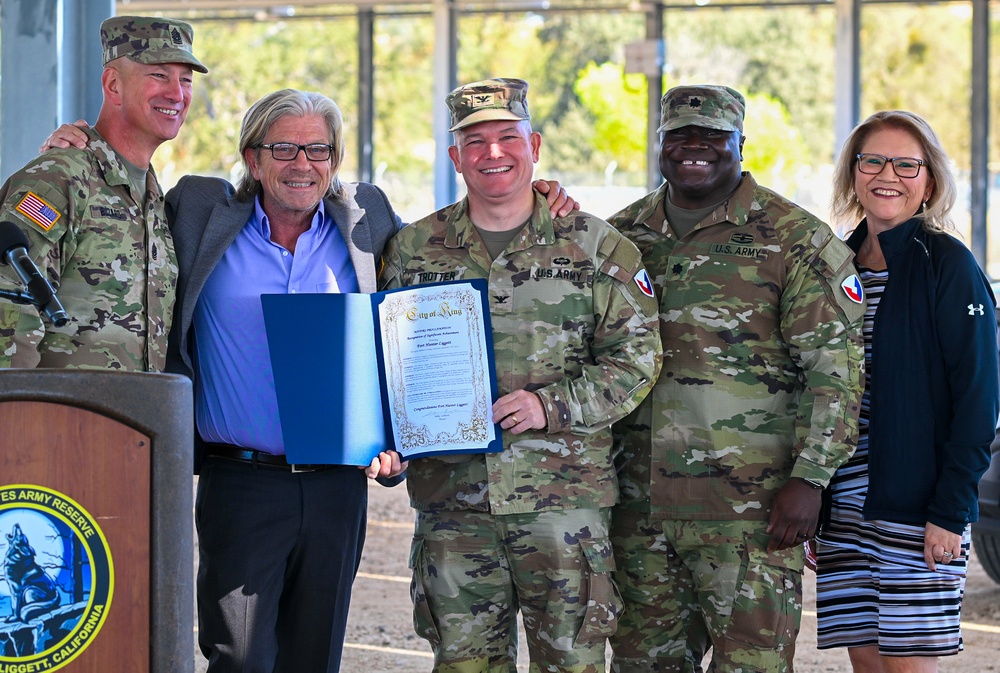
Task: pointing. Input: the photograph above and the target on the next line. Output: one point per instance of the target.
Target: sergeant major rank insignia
(59, 576)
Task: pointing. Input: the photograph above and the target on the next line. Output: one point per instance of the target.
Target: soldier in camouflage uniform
(725, 461)
(576, 347)
(95, 219)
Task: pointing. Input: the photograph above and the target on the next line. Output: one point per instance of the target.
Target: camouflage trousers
(692, 585)
(473, 572)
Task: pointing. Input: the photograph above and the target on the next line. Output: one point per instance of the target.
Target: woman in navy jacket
(893, 553)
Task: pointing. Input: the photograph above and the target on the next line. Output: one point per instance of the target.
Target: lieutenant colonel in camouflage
(724, 463)
(95, 218)
(576, 348)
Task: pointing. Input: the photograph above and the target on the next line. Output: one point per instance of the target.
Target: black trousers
(278, 553)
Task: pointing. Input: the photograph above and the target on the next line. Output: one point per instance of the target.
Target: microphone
(14, 251)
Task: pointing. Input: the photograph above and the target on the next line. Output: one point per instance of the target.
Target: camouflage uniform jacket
(108, 254)
(569, 324)
(762, 366)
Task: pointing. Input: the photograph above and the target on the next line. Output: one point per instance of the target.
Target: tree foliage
(588, 111)
(247, 60)
(921, 69)
(617, 103)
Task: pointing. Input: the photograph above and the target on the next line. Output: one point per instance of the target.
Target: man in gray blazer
(279, 545)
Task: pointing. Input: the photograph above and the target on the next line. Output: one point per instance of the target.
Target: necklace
(873, 258)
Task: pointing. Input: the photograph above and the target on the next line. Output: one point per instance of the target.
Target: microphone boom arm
(17, 296)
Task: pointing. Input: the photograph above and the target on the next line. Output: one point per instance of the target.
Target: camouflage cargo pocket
(768, 600)
(423, 620)
(604, 602)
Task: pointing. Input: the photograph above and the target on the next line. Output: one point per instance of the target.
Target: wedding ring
(947, 556)
(515, 419)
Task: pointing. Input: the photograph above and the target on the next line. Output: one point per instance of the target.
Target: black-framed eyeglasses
(288, 151)
(905, 167)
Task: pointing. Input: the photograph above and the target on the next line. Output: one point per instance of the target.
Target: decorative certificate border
(458, 304)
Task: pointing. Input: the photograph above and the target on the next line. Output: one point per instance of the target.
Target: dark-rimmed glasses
(905, 167)
(288, 151)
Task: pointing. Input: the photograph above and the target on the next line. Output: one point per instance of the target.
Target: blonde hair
(936, 214)
(288, 103)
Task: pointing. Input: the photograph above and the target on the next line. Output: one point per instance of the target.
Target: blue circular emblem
(56, 579)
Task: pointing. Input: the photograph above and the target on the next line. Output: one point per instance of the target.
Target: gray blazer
(205, 217)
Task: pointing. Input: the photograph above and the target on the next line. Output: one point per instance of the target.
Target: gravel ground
(380, 636)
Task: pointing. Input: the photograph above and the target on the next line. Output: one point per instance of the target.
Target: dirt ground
(380, 637)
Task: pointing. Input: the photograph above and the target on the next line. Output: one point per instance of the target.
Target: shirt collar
(539, 230)
(113, 166)
(734, 209)
(263, 225)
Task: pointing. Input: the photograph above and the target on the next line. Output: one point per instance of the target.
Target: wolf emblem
(32, 592)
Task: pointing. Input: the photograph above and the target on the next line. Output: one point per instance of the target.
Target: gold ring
(515, 419)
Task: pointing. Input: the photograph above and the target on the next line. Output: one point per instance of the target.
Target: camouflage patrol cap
(705, 105)
(488, 100)
(149, 39)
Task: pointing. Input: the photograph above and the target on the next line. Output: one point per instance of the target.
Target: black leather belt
(258, 459)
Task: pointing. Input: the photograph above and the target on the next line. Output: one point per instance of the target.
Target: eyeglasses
(288, 151)
(905, 167)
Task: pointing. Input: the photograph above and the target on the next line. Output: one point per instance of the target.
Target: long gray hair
(288, 103)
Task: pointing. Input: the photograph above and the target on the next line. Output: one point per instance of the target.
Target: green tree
(920, 69)
(787, 54)
(246, 60)
(590, 114)
(404, 102)
(617, 103)
(774, 151)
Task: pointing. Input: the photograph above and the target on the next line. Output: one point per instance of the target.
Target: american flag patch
(38, 211)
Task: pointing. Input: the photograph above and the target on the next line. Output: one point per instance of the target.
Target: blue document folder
(330, 377)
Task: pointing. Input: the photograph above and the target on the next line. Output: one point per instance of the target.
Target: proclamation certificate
(437, 354)
(409, 369)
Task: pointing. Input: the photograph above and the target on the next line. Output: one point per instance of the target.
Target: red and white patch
(853, 289)
(645, 285)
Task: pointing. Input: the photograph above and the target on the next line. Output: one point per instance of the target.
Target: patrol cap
(149, 39)
(705, 105)
(488, 100)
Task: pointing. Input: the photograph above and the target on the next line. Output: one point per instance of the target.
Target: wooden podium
(96, 539)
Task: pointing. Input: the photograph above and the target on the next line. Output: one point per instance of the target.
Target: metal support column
(654, 31)
(980, 116)
(50, 69)
(366, 93)
(847, 82)
(445, 79)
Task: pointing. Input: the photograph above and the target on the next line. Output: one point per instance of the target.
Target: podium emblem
(56, 578)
